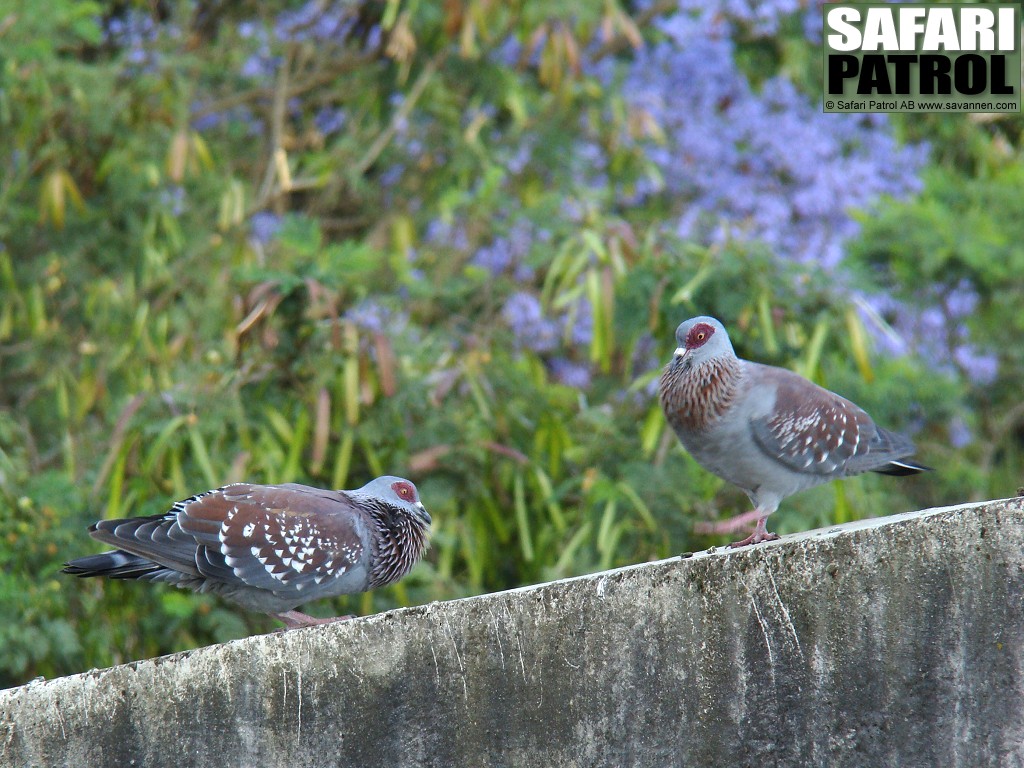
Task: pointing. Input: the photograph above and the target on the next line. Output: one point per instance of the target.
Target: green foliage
(964, 231)
(153, 343)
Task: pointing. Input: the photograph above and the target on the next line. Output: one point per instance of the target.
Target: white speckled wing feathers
(285, 539)
(814, 431)
(279, 538)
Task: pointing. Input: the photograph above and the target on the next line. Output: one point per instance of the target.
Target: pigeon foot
(760, 532)
(755, 539)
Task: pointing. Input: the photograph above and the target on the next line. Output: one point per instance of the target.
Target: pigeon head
(701, 339)
(398, 492)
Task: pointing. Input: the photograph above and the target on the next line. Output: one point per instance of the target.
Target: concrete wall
(889, 642)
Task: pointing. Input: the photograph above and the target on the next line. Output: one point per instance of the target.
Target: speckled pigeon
(270, 548)
(765, 429)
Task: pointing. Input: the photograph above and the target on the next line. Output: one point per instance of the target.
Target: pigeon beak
(423, 512)
(680, 352)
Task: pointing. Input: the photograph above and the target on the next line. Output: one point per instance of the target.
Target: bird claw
(755, 538)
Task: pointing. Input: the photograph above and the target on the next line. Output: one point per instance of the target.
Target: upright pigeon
(765, 429)
(270, 548)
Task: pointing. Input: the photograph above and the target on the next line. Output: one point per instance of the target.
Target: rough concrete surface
(887, 642)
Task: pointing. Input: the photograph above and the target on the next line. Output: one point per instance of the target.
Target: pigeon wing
(283, 538)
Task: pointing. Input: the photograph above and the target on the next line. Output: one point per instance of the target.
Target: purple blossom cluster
(937, 334)
(314, 21)
(173, 198)
(134, 33)
(761, 17)
(411, 149)
(330, 120)
(525, 316)
(264, 226)
(535, 330)
(569, 372)
(960, 434)
(766, 164)
(516, 156)
(262, 63)
(374, 316)
(448, 233)
(506, 254)
(238, 115)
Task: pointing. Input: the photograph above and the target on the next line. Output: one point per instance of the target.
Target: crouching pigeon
(765, 429)
(270, 548)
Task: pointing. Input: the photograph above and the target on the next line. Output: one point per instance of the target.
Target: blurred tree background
(323, 241)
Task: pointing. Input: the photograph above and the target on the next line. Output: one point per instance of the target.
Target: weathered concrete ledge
(889, 642)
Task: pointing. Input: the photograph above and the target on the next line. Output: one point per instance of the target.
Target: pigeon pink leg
(760, 531)
(727, 526)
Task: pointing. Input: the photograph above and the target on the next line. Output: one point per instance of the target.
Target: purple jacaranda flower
(260, 66)
(250, 29)
(519, 157)
(329, 121)
(937, 334)
(582, 331)
(507, 52)
(525, 317)
(960, 435)
(570, 373)
(980, 367)
(507, 254)
(373, 38)
(391, 175)
(449, 234)
(135, 34)
(495, 257)
(762, 163)
(373, 316)
(236, 116)
(263, 226)
(961, 300)
(173, 198)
